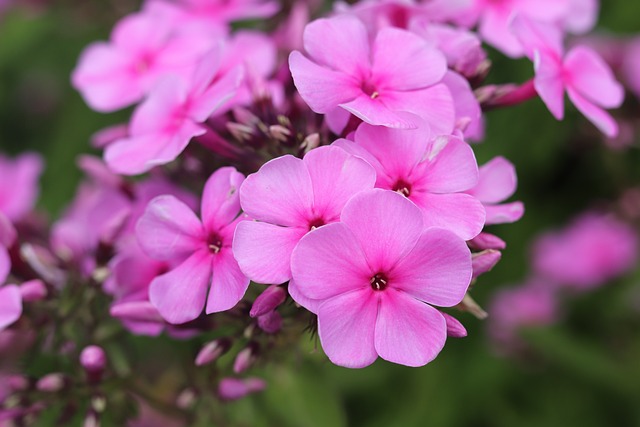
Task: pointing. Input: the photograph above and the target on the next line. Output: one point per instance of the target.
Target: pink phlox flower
(376, 275)
(592, 250)
(434, 173)
(587, 79)
(497, 182)
(19, 184)
(143, 48)
(469, 120)
(170, 231)
(288, 197)
(163, 125)
(376, 80)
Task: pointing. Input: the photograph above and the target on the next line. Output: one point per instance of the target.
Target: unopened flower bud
(233, 388)
(33, 290)
(268, 300)
(137, 311)
(455, 329)
(487, 241)
(484, 261)
(51, 383)
(93, 360)
(245, 358)
(212, 351)
(271, 322)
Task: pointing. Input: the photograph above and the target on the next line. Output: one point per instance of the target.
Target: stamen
(379, 282)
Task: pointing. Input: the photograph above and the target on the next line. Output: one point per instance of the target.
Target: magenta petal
(375, 112)
(321, 88)
(438, 269)
(5, 264)
(537, 36)
(408, 331)
(455, 329)
(8, 233)
(228, 285)
(451, 166)
(548, 83)
(328, 262)
(336, 176)
(461, 213)
(180, 294)
(346, 326)
(504, 214)
(264, 250)
(337, 120)
(434, 105)
(498, 181)
(340, 43)
(221, 198)
(404, 61)
(213, 98)
(279, 193)
(386, 225)
(10, 305)
(313, 305)
(596, 115)
(169, 229)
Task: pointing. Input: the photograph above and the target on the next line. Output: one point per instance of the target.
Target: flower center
(318, 222)
(370, 90)
(215, 243)
(379, 282)
(402, 187)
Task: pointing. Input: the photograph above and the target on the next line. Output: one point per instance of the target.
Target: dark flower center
(215, 243)
(379, 282)
(402, 187)
(318, 222)
(370, 89)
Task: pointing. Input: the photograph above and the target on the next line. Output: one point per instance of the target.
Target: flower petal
(434, 105)
(228, 285)
(5, 264)
(497, 181)
(221, 198)
(408, 331)
(596, 115)
(10, 305)
(461, 213)
(504, 214)
(375, 112)
(548, 83)
(346, 326)
(450, 166)
(313, 305)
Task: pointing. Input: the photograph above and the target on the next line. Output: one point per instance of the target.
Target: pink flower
(163, 125)
(498, 182)
(592, 250)
(375, 274)
(289, 197)
(588, 80)
(19, 184)
(432, 173)
(143, 48)
(169, 230)
(10, 305)
(374, 80)
(8, 236)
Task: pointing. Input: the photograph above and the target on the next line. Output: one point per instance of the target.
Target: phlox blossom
(19, 184)
(170, 231)
(376, 275)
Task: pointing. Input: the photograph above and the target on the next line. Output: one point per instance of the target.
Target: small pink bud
(18, 383)
(484, 261)
(33, 290)
(268, 300)
(245, 358)
(233, 389)
(51, 383)
(93, 360)
(212, 351)
(487, 241)
(139, 311)
(271, 322)
(455, 329)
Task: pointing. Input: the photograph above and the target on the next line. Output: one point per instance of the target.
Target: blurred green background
(584, 371)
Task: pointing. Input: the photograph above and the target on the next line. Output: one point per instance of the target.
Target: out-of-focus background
(584, 370)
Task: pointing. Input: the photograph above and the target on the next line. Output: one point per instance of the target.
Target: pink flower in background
(143, 48)
(498, 182)
(19, 184)
(288, 197)
(10, 305)
(587, 79)
(163, 125)
(170, 231)
(432, 173)
(8, 236)
(374, 80)
(375, 273)
(592, 250)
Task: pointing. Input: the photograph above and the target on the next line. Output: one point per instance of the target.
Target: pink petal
(215, 96)
(494, 29)
(169, 229)
(221, 198)
(337, 120)
(408, 332)
(386, 225)
(321, 88)
(548, 83)
(466, 105)
(498, 181)
(160, 108)
(596, 115)
(438, 269)
(376, 112)
(340, 43)
(180, 294)
(505, 213)
(336, 176)
(8, 233)
(313, 305)
(264, 250)
(19, 185)
(590, 76)
(404, 61)
(582, 16)
(5, 264)
(228, 285)
(450, 166)
(434, 105)
(346, 328)
(537, 36)
(328, 262)
(455, 329)
(10, 305)
(461, 213)
(279, 193)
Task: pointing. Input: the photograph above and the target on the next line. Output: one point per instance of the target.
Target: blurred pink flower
(10, 305)
(374, 274)
(19, 184)
(170, 231)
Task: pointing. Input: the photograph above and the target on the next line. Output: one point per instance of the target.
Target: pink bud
(212, 351)
(245, 358)
(487, 241)
(484, 261)
(17, 383)
(33, 290)
(51, 383)
(455, 329)
(138, 311)
(93, 360)
(271, 322)
(268, 300)
(233, 389)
